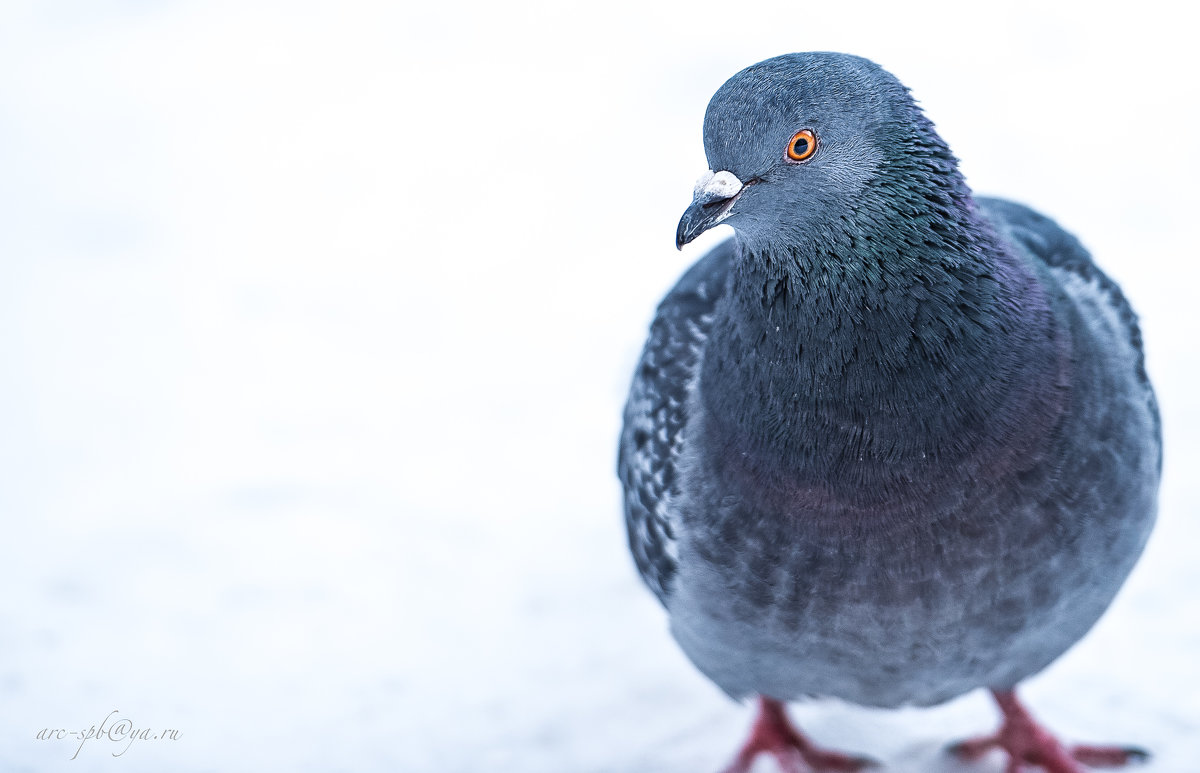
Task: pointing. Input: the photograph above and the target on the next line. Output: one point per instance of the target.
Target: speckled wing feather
(657, 412)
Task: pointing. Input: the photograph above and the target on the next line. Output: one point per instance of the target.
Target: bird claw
(774, 734)
(1028, 743)
(1110, 756)
(972, 748)
(1136, 755)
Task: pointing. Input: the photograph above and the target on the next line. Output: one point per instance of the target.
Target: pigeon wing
(1064, 255)
(656, 414)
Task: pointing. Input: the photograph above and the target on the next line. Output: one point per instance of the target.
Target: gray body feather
(1009, 567)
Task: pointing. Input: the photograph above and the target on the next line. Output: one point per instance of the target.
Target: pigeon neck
(857, 376)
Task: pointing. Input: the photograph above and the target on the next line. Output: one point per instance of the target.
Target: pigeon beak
(712, 199)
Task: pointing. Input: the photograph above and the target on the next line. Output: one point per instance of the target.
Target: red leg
(1028, 743)
(774, 734)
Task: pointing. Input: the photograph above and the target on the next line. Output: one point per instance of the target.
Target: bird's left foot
(1028, 743)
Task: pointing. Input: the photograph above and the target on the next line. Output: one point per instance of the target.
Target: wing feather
(656, 414)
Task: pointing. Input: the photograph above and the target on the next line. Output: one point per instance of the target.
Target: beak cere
(712, 199)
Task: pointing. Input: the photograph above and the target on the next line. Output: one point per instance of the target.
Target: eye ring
(801, 146)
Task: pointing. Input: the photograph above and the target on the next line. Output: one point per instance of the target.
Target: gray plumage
(891, 442)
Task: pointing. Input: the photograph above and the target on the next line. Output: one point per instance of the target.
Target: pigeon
(891, 442)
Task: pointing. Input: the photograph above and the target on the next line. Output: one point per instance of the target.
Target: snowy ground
(315, 323)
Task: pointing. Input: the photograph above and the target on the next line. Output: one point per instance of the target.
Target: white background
(315, 326)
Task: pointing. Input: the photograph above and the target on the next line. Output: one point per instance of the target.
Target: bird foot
(1028, 743)
(774, 734)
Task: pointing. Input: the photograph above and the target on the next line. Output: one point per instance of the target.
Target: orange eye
(802, 145)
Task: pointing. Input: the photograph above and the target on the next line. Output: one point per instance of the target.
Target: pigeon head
(801, 143)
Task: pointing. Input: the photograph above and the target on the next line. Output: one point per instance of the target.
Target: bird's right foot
(773, 733)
